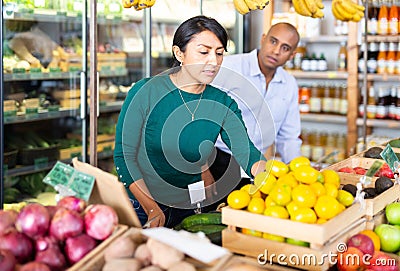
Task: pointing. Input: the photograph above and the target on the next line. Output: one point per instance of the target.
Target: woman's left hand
(258, 167)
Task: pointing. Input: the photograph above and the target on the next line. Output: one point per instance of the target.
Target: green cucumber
(215, 238)
(202, 219)
(207, 228)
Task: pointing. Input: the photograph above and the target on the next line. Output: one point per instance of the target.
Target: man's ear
(177, 53)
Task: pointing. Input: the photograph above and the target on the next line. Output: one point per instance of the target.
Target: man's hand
(258, 167)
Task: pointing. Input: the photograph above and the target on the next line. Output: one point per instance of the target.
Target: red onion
(66, 223)
(48, 252)
(33, 220)
(52, 210)
(7, 219)
(7, 260)
(77, 247)
(18, 243)
(100, 221)
(73, 203)
(34, 266)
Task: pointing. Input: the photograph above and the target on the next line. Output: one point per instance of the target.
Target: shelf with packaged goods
(324, 39)
(319, 75)
(380, 77)
(10, 77)
(323, 118)
(380, 123)
(383, 38)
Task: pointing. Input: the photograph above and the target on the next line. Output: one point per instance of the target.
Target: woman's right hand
(155, 218)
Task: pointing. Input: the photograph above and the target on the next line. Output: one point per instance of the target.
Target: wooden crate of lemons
(291, 208)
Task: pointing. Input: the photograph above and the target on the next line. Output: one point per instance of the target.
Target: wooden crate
(308, 258)
(96, 262)
(316, 234)
(361, 154)
(80, 266)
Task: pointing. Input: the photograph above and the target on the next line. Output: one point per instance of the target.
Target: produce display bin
(30, 156)
(10, 158)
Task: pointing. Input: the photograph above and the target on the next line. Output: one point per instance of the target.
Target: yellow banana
(251, 4)
(241, 6)
(336, 14)
(356, 17)
(357, 6)
(347, 6)
(301, 8)
(142, 4)
(318, 14)
(319, 4)
(262, 4)
(311, 5)
(342, 11)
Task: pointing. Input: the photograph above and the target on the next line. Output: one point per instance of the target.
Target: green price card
(391, 158)
(40, 162)
(82, 185)
(60, 174)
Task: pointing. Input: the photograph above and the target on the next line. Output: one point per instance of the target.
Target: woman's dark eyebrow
(209, 47)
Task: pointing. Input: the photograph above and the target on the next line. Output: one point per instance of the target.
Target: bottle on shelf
(397, 115)
(327, 100)
(322, 63)
(304, 99)
(391, 58)
(313, 62)
(330, 147)
(301, 51)
(343, 100)
(317, 150)
(372, 57)
(381, 105)
(315, 99)
(397, 66)
(336, 99)
(305, 63)
(371, 103)
(372, 21)
(381, 58)
(342, 57)
(305, 146)
(341, 146)
(361, 62)
(392, 106)
(383, 19)
(393, 27)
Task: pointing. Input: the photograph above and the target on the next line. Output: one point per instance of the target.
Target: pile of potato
(128, 253)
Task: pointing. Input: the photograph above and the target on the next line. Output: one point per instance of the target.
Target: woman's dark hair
(194, 26)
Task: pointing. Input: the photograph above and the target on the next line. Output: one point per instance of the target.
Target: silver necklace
(197, 106)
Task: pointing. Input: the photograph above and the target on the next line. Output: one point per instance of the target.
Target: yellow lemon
(291, 207)
(256, 205)
(252, 232)
(305, 215)
(276, 211)
(281, 194)
(306, 174)
(318, 188)
(321, 220)
(251, 187)
(265, 181)
(276, 167)
(345, 198)
(304, 195)
(238, 199)
(327, 207)
(299, 161)
(289, 179)
(331, 190)
(269, 201)
(331, 176)
(273, 237)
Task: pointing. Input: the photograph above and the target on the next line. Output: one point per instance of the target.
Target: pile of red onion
(53, 238)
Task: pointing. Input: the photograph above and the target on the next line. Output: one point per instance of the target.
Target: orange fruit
(374, 237)
(256, 205)
(304, 195)
(276, 167)
(238, 199)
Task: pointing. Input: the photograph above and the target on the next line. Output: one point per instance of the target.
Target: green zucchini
(215, 238)
(202, 219)
(207, 228)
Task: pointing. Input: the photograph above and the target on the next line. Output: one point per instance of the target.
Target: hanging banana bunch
(309, 8)
(245, 6)
(347, 10)
(138, 4)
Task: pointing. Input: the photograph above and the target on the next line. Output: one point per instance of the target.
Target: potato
(123, 264)
(182, 266)
(163, 255)
(123, 247)
(151, 268)
(143, 254)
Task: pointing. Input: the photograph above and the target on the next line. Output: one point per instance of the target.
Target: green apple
(297, 242)
(389, 236)
(392, 211)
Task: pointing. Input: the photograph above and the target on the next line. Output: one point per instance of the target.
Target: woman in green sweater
(169, 123)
